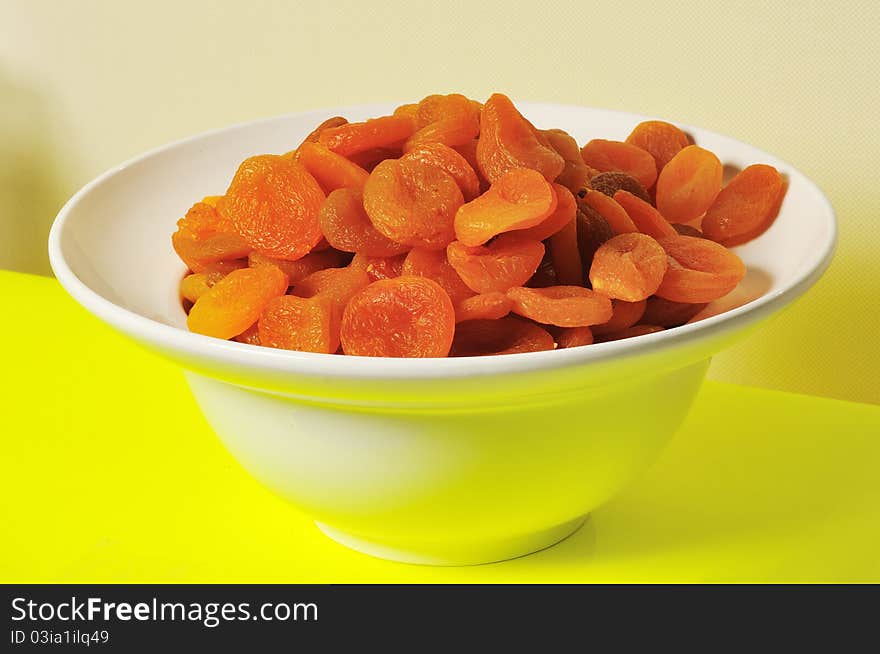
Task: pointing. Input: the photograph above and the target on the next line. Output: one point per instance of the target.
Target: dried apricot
(615, 215)
(486, 306)
(746, 207)
(623, 314)
(335, 121)
(611, 182)
(401, 317)
(337, 284)
(508, 141)
(353, 138)
(699, 270)
(565, 252)
(434, 265)
(331, 170)
(203, 237)
(574, 337)
(628, 267)
(645, 217)
(295, 323)
(605, 155)
(662, 140)
(506, 335)
(688, 184)
(576, 175)
(193, 286)
(235, 302)
(686, 230)
(566, 208)
(565, 306)
(379, 267)
(469, 152)
(413, 204)
(519, 199)
(347, 227)
(369, 159)
(509, 260)
(443, 156)
(666, 313)
(273, 203)
(301, 268)
(251, 335)
(592, 231)
(448, 119)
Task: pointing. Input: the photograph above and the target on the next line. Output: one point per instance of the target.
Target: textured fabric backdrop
(87, 84)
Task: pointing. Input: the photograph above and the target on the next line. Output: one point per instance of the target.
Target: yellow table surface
(110, 474)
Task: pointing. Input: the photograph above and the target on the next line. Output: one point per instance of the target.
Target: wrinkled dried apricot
(576, 175)
(645, 217)
(615, 215)
(413, 204)
(666, 313)
(611, 182)
(623, 315)
(335, 121)
(379, 267)
(746, 207)
(628, 267)
(506, 335)
(509, 260)
(235, 302)
(507, 141)
(352, 138)
(347, 227)
(273, 203)
(566, 208)
(443, 156)
(331, 170)
(401, 317)
(688, 184)
(565, 306)
(699, 270)
(337, 284)
(574, 337)
(519, 199)
(605, 155)
(565, 251)
(486, 306)
(469, 152)
(203, 237)
(662, 140)
(434, 265)
(448, 119)
(193, 286)
(592, 231)
(301, 268)
(369, 159)
(251, 335)
(295, 323)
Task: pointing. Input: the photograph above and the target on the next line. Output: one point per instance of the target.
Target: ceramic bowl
(437, 461)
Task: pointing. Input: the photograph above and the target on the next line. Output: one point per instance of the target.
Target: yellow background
(87, 84)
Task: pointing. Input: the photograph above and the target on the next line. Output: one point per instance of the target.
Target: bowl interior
(114, 236)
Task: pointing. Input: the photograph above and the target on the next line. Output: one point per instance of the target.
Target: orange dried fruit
(295, 323)
(401, 317)
(347, 227)
(507, 141)
(566, 208)
(519, 199)
(434, 265)
(564, 306)
(413, 204)
(605, 155)
(301, 268)
(623, 315)
(443, 156)
(574, 337)
(575, 175)
(486, 306)
(379, 267)
(204, 237)
(746, 207)
(337, 284)
(335, 121)
(193, 286)
(565, 251)
(251, 335)
(661, 139)
(645, 217)
(506, 335)
(235, 302)
(688, 184)
(611, 182)
(448, 119)
(699, 270)
(509, 260)
(628, 267)
(331, 170)
(469, 152)
(666, 313)
(686, 230)
(592, 231)
(353, 138)
(615, 215)
(274, 203)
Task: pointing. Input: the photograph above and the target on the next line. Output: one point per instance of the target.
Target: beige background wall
(87, 84)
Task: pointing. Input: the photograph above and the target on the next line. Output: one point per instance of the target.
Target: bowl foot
(472, 554)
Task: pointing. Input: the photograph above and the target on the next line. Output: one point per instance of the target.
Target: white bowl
(441, 461)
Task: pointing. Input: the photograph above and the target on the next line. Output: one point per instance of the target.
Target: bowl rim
(170, 338)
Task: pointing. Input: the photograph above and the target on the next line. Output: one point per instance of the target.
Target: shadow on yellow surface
(109, 474)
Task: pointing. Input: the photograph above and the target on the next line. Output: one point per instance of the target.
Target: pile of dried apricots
(454, 228)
